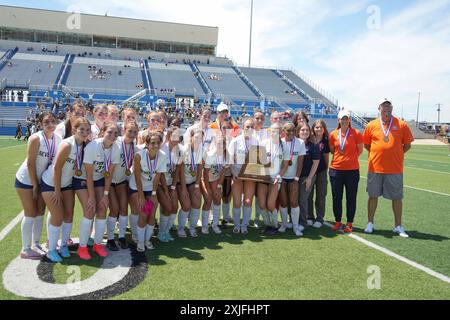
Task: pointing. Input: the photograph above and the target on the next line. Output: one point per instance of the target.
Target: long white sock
(237, 217)
(205, 218)
(216, 215)
(133, 224)
(284, 215)
(182, 218)
(172, 218)
(27, 229)
(275, 218)
(37, 229)
(193, 217)
(226, 211)
(53, 235)
(247, 216)
(266, 217)
(123, 222)
(258, 210)
(163, 223)
(100, 225)
(111, 227)
(141, 234)
(66, 229)
(85, 230)
(149, 232)
(49, 217)
(295, 216)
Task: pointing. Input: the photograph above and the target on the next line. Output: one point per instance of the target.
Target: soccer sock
(164, 221)
(237, 217)
(100, 225)
(149, 232)
(182, 218)
(141, 234)
(85, 230)
(258, 210)
(216, 215)
(111, 227)
(172, 218)
(133, 224)
(66, 229)
(123, 221)
(266, 217)
(205, 218)
(275, 218)
(53, 234)
(295, 215)
(247, 216)
(49, 217)
(37, 229)
(193, 217)
(27, 229)
(226, 211)
(284, 215)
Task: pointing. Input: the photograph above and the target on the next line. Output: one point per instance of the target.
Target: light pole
(418, 105)
(439, 112)
(250, 44)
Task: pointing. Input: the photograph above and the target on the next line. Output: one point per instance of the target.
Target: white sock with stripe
(284, 215)
(141, 234)
(237, 217)
(85, 230)
(295, 216)
(27, 230)
(111, 227)
(37, 229)
(247, 216)
(194, 215)
(100, 225)
(53, 235)
(149, 232)
(123, 222)
(205, 218)
(66, 229)
(182, 218)
(216, 215)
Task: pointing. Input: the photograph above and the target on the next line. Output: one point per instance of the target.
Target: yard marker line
(398, 257)
(20, 145)
(415, 168)
(419, 189)
(11, 225)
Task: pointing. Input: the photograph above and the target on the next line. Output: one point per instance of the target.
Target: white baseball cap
(222, 107)
(385, 100)
(344, 113)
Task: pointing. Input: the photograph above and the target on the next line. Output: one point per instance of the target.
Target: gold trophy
(254, 169)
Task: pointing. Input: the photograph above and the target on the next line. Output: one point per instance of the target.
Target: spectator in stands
(18, 131)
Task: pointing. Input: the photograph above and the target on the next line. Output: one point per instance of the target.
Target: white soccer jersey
(95, 154)
(191, 165)
(173, 159)
(292, 150)
(147, 177)
(275, 156)
(216, 164)
(119, 174)
(238, 150)
(208, 136)
(42, 160)
(61, 129)
(94, 131)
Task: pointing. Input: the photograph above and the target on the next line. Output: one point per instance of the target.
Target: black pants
(348, 179)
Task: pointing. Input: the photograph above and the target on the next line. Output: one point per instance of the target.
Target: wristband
(173, 187)
(197, 186)
(105, 193)
(219, 186)
(153, 193)
(296, 179)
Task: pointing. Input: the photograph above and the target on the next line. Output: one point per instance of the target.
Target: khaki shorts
(390, 186)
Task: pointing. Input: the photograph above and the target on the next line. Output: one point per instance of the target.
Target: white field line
(423, 169)
(20, 145)
(419, 189)
(11, 225)
(398, 257)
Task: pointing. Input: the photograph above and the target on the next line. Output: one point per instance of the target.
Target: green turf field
(321, 265)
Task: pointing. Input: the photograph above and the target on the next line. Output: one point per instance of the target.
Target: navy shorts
(20, 185)
(80, 184)
(46, 188)
(115, 185)
(146, 193)
(288, 180)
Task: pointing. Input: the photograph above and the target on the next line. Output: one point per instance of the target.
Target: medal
(292, 151)
(128, 173)
(386, 139)
(193, 173)
(78, 173)
(128, 155)
(107, 162)
(342, 143)
(193, 163)
(152, 165)
(386, 133)
(79, 160)
(107, 174)
(50, 147)
(290, 162)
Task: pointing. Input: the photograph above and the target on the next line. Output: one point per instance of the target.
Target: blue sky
(359, 51)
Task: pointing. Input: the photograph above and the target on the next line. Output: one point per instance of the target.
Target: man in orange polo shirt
(387, 139)
(223, 113)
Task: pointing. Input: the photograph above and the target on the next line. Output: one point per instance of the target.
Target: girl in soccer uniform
(190, 179)
(100, 116)
(268, 193)
(113, 113)
(167, 192)
(239, 151)
(213, 177)
(203, 124)
(57, 191)
(294, 151)
(118, 195)
(92, 187)
(41, 151)
(153, 119)
(149, 165)
(76, 111)
(225, 132)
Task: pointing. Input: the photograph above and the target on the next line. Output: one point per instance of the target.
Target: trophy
(254, 169)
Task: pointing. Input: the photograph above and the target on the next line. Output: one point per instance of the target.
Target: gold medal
(107, 174)
(290, 162)
(386, 139)
(193, 174)
(128, 173)
(78, 173)
(341, 151)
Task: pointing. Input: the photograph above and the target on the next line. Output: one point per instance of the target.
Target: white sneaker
(140, 247)
(400, 231)
(205, 230)
(256, 224)
(149, 245)
(134, 239)
(289, 225)
(244, 230)
(317, 225)
(370, 228)
(193, 232)
(282, 229)
(309, 222)
(300, 227)
(297, 232)
(182, 233)
(216, 229)
(236, 230)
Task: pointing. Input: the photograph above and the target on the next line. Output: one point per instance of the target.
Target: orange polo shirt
(235, 130)
(348, 160)
(387, 157)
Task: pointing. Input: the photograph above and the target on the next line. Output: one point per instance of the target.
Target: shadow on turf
(412, 234)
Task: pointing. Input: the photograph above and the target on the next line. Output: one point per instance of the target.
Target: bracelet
(297, 179)
(197, 186)
(153, 193)
(173, 187)
(219, 186)
(105, 193)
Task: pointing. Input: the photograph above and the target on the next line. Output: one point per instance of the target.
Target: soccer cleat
(53, 256)
(297, 232)
(348, 227)
(317, 225)
(236, 230)
(193, 232)
(400, 231)
(162, 237)
(64, 251)
(282, 229)
(30, 254)
(205, 230)
(100, 250)
(256, 223)
(337, 226)
(83, 253)
(216, 230)
(300, 227)
(310, 222)
(123, 243)
(244, 230)
(37, 247)
(140, 247)
(149, 245)
(181, 233)
(370, 228)
(111, 245)
(169, 236)
(70, 242)
(289, 225)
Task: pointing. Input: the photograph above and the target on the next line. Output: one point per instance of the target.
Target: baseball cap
(343, 113)
(385, 100)
(222, 107)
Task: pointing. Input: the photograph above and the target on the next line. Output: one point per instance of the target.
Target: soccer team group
(111, 167)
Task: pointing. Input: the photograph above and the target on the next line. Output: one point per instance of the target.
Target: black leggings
(348, 179)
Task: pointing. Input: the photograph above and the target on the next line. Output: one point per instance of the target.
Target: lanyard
(342, 143)
(50, 147)
(152, 165)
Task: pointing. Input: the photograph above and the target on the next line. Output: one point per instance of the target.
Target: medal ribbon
(386, 134)
(107, 158)
(152, 165)
(50, 147)
(128, 155)
(342, 143)
(193, 162)
(292, 149)
(79, 156)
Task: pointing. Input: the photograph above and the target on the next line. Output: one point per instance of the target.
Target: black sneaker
(123, 243)
(112, 246)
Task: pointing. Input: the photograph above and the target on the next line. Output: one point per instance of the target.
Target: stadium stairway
(291, 84)
(7, 56)
(198, 75)
(146, 77)
(247, 81)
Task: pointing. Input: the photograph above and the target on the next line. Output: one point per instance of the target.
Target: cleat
(244, 230)
(370, 228)
(169, 236)
(53, 256)
(83, 253)
(297, 232)
(400, 231)
(309, 222)
(64, 251)
(182, 233)
(337, 226)
(317, 225)
(236, 230)
(123, 243)
(348, 227)
(162, 237)
(30, 254)
(193, 232)
(289, 225)
(140, 247)
(149, 245)
(112, 245)
(205, 230)
(216, 230)
(282, 229)
(100, 250)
